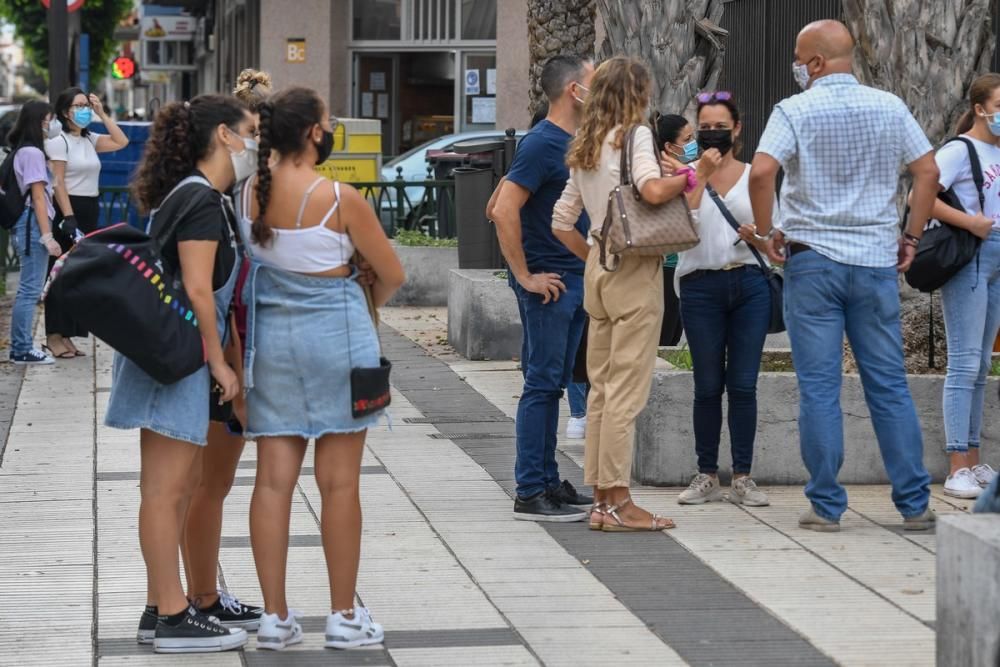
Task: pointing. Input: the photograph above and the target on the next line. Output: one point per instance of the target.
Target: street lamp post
(58, 21)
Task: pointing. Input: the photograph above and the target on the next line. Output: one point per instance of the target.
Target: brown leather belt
(795, 248)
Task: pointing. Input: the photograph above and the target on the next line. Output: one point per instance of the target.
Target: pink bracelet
(692, 178)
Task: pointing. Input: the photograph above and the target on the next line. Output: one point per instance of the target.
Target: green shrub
(414, 237)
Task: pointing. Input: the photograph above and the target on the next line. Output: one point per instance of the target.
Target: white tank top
(315, 249)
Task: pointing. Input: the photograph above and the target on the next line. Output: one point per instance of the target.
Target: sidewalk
(452, 577)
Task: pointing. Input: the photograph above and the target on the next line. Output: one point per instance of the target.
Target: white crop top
(314, 249)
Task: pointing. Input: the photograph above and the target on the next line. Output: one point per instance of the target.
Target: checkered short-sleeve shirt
(842, 145)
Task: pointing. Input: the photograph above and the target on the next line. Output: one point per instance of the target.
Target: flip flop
(68, 354)
(78, 353)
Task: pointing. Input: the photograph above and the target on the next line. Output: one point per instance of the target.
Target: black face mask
(720, 139)
(324, 147)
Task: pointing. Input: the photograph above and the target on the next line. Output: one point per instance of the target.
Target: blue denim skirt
(304, 335)
(178, 410)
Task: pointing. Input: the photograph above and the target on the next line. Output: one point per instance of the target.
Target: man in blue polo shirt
(548, 281)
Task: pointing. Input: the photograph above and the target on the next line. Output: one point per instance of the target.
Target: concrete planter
(427, 270)
(664, 454)
(483, 321)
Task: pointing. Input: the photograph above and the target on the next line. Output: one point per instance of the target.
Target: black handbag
(115, 284)
(774, 278)
(944, 249)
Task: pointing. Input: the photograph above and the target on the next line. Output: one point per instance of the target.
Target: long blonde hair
(619, 96)
(252, 88)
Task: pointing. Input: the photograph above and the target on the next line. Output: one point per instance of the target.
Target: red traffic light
(123, 68)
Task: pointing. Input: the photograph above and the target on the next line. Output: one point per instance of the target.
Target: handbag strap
(736, 226)
(369, 300)
(976, 167)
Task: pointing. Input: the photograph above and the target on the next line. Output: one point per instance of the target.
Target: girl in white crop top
(308, 328)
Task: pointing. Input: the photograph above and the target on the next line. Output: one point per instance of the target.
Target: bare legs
(959, 460)
(164, 484)
(338, 467)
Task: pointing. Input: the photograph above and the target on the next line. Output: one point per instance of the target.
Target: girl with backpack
(32, 233)
(970, 300)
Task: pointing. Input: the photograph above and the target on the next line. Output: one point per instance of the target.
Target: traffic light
(123, 68)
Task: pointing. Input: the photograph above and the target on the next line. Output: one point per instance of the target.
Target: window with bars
(424, 21)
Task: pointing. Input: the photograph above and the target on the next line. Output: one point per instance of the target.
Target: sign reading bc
(296, 50)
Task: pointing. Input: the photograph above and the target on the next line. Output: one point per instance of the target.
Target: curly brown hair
(181, 136)
(286, 119)
(619, 97)
(252, 88)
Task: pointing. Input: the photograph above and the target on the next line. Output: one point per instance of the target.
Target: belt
(796, 248)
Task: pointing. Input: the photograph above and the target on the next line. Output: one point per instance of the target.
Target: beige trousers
(626, 311)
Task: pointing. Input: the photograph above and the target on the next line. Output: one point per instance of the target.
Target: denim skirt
(304, 335)
(178, 410)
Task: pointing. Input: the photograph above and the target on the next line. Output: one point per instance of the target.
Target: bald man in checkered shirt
(841, 145)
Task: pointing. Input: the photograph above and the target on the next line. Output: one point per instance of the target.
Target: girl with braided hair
(195, 152)
(303, 232)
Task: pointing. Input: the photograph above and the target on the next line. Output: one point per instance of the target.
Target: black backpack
(12, 200)
(944, 249)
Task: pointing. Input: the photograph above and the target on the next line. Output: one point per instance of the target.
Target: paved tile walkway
(452, 577)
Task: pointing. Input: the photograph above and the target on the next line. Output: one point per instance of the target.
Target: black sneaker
(568, 495)
(545, 506)
(232, 613)
(147, 626)
(197, 633)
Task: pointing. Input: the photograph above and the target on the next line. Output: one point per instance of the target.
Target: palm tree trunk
(680, 40)
(557, 27)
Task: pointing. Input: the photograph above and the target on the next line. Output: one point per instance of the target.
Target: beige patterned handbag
(634, 227)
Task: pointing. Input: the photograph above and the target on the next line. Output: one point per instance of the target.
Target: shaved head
(825, 47)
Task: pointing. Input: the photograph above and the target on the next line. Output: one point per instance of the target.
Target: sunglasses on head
(719, 96)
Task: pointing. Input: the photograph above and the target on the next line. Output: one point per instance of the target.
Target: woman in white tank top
(308, 325)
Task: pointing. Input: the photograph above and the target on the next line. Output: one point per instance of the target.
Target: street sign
(71, 5)
(296, 50)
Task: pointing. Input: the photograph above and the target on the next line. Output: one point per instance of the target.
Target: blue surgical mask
(993, 119)
(82, 117)
(690, 151)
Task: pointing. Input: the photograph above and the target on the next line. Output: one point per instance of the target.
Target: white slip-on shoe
(984, 474)
(962, 484)
(576, 428)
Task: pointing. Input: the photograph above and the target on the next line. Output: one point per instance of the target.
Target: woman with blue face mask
(970, 300)
(676, 138)
(76, 170)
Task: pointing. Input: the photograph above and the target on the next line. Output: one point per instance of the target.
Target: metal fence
(427, 206)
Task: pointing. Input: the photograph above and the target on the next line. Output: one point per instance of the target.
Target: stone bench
(968, 590)
(483, 321)
(427, 275)
(664, 453)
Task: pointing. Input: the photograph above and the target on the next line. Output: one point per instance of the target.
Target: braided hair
(181, 136)
(286, 119)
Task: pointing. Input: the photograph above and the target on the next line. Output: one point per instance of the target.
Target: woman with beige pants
(625, 306)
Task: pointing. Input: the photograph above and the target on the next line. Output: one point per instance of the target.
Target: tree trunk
(927, 53)
(680, 40)
(557, 27)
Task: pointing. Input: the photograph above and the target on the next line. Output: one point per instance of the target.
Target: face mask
(690, 152)
(244, 162)
(719, 139)
(801, 73)
(54, 129)
(324, 147)
(583, 88)
(993, 120)
(82, 117)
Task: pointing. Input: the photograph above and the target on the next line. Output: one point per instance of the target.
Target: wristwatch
(765, 237)
(910, 239)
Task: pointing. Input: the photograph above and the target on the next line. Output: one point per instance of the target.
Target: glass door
(477, 82)
(375, 92)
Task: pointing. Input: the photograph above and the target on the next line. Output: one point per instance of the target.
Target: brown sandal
(597, 508)
(656, 523)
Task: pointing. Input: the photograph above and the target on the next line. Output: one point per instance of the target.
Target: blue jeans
(577, 395)
(726, 315)
(823, 299)
(552, 334)
(970, 302)
(34, 267)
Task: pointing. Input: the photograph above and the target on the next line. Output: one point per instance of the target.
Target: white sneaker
(361, 630)
(745, 492)
(576, 428)
(963, 484)
(703, 489)
(984, 474)
(275, 634)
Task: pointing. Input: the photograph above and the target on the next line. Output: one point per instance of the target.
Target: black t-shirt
(210, 219)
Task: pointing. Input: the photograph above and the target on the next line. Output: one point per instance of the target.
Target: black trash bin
(478, 247)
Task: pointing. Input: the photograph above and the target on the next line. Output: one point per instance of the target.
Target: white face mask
(801, 73)
(244, 162)
(54, 128)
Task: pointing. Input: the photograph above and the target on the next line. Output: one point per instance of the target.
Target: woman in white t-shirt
(970, 301)
(725, 303)
(76, 170)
